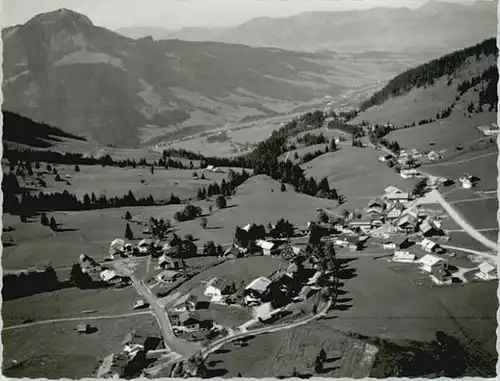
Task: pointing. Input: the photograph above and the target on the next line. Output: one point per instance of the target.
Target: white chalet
(266, 246)
(408, 173)
(429, 262)
(486, 272)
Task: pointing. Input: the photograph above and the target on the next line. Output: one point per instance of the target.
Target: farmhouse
(83, 328)
(406, 223)
(397, 241)
(429, 228)
(189, 323)
(395, 211)
(110, 276)
(415, 153)
(140, 304)
(116, 247)
(486, 272)
(131, 343)
(168, 263)
(433, 156)
(214, 289)
(364, 223)
(392, 193)
(385, 158)
(256, 289)
(430, 246)
(403, 257)
(265, 312)
(167, 276)
(376, 223)
(430, 262)
(145, 246)
(248, 227)
(408, 173)
(490, 130)
(266, 246)
(375, 206)
(185, 303)
(466, 183)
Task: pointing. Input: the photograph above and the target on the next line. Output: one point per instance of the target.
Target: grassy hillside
(443, 101)
(450, 65)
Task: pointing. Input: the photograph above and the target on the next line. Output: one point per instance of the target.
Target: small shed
(403, 256)
(83, 328)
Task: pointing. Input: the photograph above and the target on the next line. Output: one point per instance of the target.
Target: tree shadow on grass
(332, 359)
(211, 373)
(342, 307)
(344, 300)
(214, 363)
(346, 274)
(222, 351)
(329, 317)
(327, 370)
(62, 230)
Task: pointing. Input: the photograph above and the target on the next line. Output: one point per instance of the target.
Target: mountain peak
(61, 15)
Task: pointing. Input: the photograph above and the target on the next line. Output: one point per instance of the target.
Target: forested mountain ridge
(426, 75)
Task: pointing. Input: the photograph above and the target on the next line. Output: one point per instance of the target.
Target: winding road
(176, 345)
(468, 228)
(259, 331)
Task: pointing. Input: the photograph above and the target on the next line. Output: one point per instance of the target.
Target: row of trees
(226, 188)
(30, 204)
(190, 212)
(311, 139)
(282, 229)
(16, 155)
(393, 145)
(30, 283)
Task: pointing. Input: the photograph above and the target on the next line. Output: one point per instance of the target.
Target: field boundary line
(83, 318)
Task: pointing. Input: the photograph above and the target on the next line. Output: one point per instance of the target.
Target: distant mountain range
(62, 70)
(436, 27)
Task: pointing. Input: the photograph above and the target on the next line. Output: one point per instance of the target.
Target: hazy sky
(178, 13)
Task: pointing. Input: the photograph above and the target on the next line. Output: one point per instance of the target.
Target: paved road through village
(181, 347)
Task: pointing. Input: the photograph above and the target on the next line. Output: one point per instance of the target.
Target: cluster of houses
(213, 169)
(99, 273)
(136, 352)
(407, 160)
(119, 248)
(268, 298)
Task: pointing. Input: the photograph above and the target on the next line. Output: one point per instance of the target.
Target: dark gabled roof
(398, 239)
